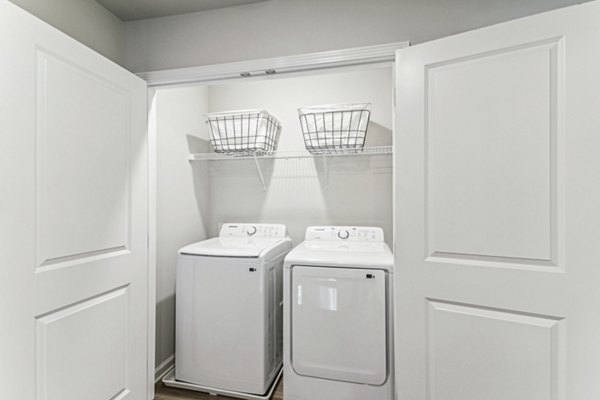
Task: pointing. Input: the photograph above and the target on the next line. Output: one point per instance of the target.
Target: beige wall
(182, 197)
(84, 20)
(271, 28)
(284, 27)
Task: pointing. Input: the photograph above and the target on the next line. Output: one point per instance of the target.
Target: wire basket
(243, 132)
(335, 128)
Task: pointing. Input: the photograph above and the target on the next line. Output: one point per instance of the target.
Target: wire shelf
(366, 151)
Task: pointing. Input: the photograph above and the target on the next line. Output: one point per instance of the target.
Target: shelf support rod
(260, 174)
(326, 168)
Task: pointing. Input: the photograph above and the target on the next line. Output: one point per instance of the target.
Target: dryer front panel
(338, 324)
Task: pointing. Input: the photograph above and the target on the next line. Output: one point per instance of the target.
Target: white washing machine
(338, 326)
(229, 311)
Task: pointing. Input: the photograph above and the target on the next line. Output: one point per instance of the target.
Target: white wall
(284, 27)
(182, 197)
(360, 188)
(85, 21)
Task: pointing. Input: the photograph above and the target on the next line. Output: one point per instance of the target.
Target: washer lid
(230, 247)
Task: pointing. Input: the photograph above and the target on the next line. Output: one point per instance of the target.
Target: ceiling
(129, 10)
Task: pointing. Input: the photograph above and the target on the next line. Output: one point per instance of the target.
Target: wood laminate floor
(163, 392)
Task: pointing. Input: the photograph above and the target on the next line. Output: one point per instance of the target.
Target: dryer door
(339, 324)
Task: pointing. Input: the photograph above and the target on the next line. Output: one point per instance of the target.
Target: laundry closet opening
(193, 198)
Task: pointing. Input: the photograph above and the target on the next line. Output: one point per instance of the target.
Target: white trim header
(267, 66)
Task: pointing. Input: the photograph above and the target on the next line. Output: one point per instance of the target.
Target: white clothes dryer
(229, 311)
(338, 320)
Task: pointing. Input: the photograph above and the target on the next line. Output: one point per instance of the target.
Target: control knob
(343, 234)
(250, 230)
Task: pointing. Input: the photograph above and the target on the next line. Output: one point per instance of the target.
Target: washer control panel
(274, 231)
(345, 233)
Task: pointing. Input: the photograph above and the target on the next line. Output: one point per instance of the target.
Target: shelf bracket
(260, 174)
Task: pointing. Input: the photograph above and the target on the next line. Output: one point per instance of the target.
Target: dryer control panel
(345, 233)
(271, 231)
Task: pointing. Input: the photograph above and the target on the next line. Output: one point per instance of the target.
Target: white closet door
(73, 212)
(339, 324)
(497, 208)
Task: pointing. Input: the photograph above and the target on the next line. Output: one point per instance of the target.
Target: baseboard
(164, 368)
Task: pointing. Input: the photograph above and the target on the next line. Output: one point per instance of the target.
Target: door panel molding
(97, 355)
(528, 362)
(511, 221)
(78, 166)
(82, 258)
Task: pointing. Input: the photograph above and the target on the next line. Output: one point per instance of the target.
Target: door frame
(277, 65)
(231, 72)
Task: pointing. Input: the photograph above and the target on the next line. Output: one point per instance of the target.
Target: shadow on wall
(358, 190)
(201, 176)
(165, 329)
(378, 135)
(165, 307)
